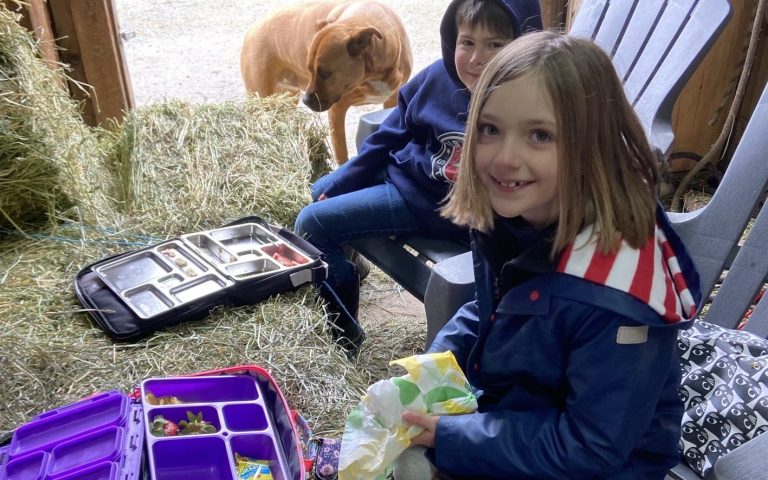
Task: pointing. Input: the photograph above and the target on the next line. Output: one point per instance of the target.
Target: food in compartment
(180, 260)
(252, 469)
(195, 425)
(283, 260)
(165, 400)
(190, 272)
(162, 427)
(284, 255)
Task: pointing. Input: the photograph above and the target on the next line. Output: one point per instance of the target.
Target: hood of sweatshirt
(524, 15)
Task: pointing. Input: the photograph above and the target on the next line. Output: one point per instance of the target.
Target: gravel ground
(190, 49)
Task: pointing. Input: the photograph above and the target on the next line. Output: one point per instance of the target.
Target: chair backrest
(712, 233)
(655, 46)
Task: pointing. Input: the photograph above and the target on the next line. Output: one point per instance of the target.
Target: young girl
(582, 285)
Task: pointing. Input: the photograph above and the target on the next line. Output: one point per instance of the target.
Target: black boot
(343, 303)
(362, 265)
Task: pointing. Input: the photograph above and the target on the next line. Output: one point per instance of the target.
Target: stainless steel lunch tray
(245, 251)
(199, 264)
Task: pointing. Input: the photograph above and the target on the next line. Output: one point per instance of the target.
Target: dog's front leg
(336, 117)
(391, 101)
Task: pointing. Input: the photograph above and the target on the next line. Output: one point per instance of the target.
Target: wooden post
(553, 13)
(88, 32)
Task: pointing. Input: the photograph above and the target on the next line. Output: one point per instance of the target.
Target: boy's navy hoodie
(419, 143)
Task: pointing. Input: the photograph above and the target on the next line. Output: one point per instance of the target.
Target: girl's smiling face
(516, 153)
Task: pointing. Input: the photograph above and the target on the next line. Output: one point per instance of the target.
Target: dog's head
(336, 62)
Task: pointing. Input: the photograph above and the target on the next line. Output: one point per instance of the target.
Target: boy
(404, 170)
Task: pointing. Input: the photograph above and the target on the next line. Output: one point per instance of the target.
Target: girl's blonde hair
(607, 173)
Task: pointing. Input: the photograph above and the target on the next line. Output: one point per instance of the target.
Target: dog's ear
(320, 24)
(361, 40)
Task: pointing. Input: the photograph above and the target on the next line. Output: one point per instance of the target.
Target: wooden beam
(40, 22)
(553, 13)
(702, 107)
(88, 32)
(102, 56)
(64, 30)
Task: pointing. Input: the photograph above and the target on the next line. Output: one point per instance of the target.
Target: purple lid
(55, 426)
(99, 438)
(26, 467)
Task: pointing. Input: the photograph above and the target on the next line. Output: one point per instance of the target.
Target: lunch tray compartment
(182, 279)
(237, 409)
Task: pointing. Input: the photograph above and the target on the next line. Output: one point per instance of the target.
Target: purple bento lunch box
(103, 437)
(234, 405)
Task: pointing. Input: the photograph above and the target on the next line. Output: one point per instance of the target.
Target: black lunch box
(132, 294)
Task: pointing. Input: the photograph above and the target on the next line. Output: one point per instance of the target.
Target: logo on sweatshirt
(445, 163)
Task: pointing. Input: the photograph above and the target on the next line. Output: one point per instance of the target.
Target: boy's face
(475, 47)
(516, 151)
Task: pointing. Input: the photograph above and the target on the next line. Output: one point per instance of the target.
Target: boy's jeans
(329, 224)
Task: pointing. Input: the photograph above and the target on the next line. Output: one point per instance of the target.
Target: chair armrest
(747, 461)
(451, 285)
(369, 123)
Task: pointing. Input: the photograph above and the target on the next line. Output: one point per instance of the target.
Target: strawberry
(162, 427)
(195, 425)
(170, 429)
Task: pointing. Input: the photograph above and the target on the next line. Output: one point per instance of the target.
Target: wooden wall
(703, 106)
(87, 40)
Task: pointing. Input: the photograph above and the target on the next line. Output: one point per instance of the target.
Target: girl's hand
(428, 423)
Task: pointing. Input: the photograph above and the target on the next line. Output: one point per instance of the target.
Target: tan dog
(341, 53)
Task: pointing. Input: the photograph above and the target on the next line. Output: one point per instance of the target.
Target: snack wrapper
(374, 433)
(250, 469)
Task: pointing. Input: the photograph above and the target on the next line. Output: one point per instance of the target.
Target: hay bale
(40, 129)
(181, 166)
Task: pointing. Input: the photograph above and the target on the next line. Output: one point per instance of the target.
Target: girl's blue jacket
(575, 366)
(418, 145)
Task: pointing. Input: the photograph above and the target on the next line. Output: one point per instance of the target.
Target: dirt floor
(190, 49)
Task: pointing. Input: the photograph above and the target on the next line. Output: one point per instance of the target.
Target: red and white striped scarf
(651, 274)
